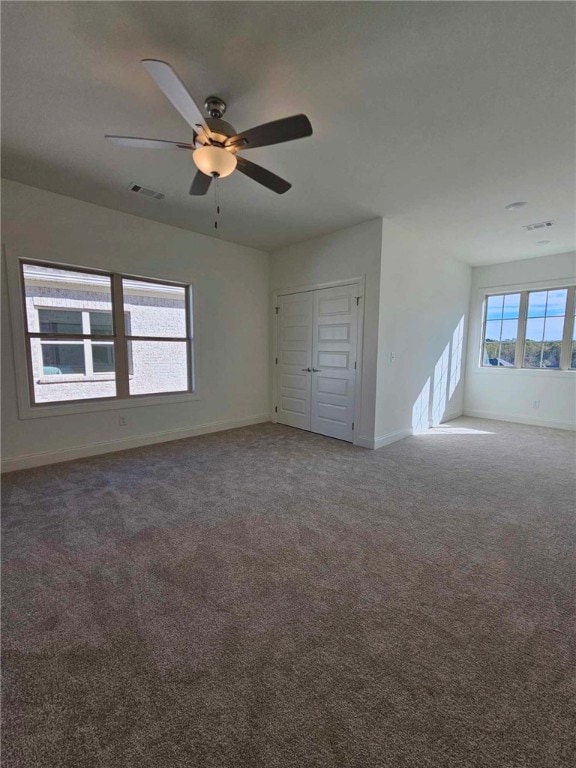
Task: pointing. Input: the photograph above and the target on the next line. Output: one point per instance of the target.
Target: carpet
(270, 598)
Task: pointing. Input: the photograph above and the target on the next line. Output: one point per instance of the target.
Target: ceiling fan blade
(201, 184)
(287, 129)
(262, 176)
(175, 91)
(138, 143)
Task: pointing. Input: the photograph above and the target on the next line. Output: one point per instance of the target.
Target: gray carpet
(271, 598)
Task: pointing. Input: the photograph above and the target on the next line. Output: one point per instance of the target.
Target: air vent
(140, 190)
(539, 225)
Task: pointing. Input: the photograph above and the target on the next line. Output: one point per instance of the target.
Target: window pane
(103, 357)
(59, 359)
(159, 366)
(556, 302)
(509, 330)
(494, 307)
(550, 354)
(58, 370)
(57, 292)
(493, 330)
(59, 321)
(553, 329)
(491, 353)
(537, 303)
(535, 329)
(511, 305)
(101, 323)
(532, 354)
(507, 353)
(155, 309)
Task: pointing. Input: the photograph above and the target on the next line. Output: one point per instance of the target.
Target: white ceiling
(432, 115)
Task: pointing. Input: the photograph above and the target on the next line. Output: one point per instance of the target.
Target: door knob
(307, 369)
(316, 370)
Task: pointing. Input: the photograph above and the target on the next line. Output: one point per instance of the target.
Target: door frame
(361, 282)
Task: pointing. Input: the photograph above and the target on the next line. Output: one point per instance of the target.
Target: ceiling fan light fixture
(214, 161)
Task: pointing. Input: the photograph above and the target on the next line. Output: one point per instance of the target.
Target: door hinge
(354, 364)
(275, 409)
(276, 361)
(352, 426)
(358, 300)
(277, 309)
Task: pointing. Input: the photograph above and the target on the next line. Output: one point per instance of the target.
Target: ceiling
(432, 115)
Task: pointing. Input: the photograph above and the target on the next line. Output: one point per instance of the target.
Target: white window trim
(524, 289)
(26, 410)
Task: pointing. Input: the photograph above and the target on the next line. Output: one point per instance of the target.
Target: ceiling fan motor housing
(220, 129)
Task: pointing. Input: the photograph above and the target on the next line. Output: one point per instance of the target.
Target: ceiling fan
(215, 144)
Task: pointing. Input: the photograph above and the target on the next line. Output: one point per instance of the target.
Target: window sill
(503, 370)
(44, 410)
(75, 378)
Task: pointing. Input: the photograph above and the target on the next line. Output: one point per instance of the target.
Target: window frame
(524, 291)
(29, 408)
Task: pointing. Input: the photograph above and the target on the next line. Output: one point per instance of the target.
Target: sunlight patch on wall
(456, 358)
(432, 402)
(421, 410)
(440, 386)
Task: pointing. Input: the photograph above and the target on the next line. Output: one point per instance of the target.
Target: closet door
(334, 339)
(294, 349)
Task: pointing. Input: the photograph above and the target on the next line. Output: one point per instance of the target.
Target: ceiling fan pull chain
(216, 202)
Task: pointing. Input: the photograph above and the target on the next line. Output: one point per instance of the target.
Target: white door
(294, 361)
(316, 364)
(334, 339)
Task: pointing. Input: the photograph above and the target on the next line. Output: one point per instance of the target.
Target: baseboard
(109, 446)
(379, 442)
(451, 415)
(554, 424)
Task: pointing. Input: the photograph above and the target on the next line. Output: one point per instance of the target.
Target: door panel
(294, 346)
(334, 333)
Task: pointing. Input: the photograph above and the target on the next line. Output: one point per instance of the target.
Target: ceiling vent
(140, 190)
(539, 225)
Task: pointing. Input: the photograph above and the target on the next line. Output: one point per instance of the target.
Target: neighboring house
(71, 303)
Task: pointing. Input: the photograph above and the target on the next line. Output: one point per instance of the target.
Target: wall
(510, 394)
(346, 254)
(231, 285)
(424, 297)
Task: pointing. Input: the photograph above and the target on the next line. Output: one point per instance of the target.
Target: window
(501, 329)
(544, 328)
(530, 329)
(94, 335)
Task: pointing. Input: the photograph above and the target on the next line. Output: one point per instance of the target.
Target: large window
(530, 329)
(93, 335)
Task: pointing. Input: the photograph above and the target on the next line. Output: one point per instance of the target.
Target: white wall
(509, 394)
(346, 254)
(231, 285)
(424, 298)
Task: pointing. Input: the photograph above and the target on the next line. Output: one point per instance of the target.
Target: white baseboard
(109, 446)
(554, 424)
(451, 415)
(379, 442)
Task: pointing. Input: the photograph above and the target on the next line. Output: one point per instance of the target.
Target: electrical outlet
(122, 421)
(536, 404)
